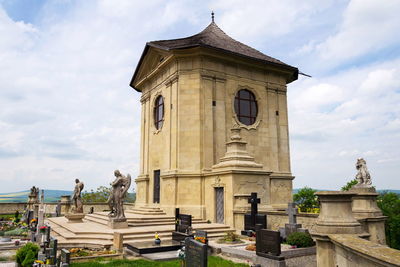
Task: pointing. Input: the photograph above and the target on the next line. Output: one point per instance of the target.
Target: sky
(67, 111)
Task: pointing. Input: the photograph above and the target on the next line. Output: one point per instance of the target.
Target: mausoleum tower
(195, 90)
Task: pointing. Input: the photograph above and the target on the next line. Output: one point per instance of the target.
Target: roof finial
(212, 16)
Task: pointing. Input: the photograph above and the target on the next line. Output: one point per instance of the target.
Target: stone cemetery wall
(11, 207)
(357, 252)
(276, 219)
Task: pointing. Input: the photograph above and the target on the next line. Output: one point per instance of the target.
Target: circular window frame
(259, 110)
(157, 95)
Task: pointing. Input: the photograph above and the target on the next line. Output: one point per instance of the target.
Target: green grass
(213, 261)
(3, 259)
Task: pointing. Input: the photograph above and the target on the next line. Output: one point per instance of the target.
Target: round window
(159, 112)
(246, 107)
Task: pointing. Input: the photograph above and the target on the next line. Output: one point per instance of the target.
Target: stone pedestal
(118, 223)
(336, 215)
(75, 217)
(65, 204)
(367, 212)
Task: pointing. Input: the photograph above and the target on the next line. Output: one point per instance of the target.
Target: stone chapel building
(214, 127)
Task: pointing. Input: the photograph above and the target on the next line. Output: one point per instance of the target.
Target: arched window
(159, 112)
(246, 107)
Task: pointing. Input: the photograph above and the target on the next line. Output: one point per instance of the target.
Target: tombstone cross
(254, 201)
(292, 213)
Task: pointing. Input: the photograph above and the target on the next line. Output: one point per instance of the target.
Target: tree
(305, 199)
(389, 203)
(349, 185)
(100, 195)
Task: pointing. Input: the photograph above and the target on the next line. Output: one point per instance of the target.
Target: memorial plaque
(196, 253)
(268, 242)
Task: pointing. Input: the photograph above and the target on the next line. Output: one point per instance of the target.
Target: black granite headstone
(250, 220)
(185, 221)
(268, 242)
(195, 253)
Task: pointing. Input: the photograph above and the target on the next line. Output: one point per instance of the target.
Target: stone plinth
(118, 223)
(336, 215)
(65, 204)
(75, 217)
(364, 202)
(367, 212)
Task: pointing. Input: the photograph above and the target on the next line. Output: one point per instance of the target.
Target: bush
(27, 254)
(305, 199)
(300, 240)
(349, 185)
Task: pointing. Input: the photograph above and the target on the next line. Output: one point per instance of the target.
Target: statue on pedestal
(120, 187)
(34, 195)
(363, 177)
(77, 196)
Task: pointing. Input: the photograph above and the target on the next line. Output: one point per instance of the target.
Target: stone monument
(115, 201)
(77, 212)
(364, 206)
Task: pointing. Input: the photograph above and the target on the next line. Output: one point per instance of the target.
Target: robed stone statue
(115, 201)
(76, 198)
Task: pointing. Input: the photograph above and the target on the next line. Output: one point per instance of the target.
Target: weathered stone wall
(351, 250)
(10, 208)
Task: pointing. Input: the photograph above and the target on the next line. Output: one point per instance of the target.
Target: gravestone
(65, 258)
(292, 226)
(183, 225)
(268, 243)
(250, 220)
(195, 253)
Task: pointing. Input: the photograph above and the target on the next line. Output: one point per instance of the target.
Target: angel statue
(363, 177)
(115, 201)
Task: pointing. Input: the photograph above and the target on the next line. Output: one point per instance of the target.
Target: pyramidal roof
(215, 38)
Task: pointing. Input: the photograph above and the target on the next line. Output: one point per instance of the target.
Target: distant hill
(49, 196)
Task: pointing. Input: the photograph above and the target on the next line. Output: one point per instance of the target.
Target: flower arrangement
(157, 239)
(201, 239)
(42, 229)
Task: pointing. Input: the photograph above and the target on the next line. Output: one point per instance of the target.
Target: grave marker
(195, 253)
(250, 220)
(268, 243)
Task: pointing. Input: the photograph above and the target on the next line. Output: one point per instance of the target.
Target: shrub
(349, 185)
(300, 240)
(27, 254)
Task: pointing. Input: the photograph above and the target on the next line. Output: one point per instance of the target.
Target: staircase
(143, 223)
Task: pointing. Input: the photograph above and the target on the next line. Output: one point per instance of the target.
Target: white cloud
(326, 140)
(367, 27)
